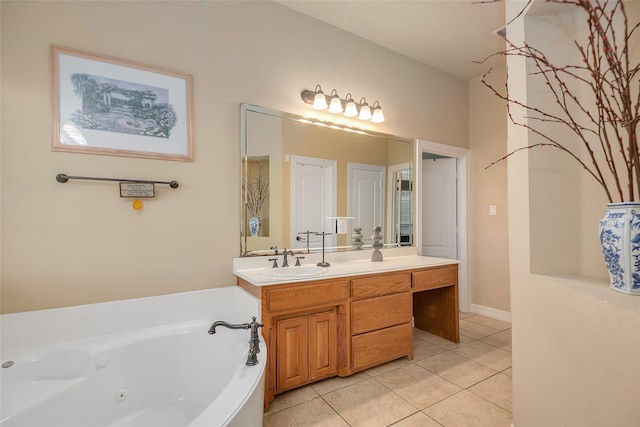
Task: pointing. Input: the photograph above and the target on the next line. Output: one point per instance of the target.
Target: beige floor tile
(389, 366)
(475, 330)
(423, 349)
(465, 409)
(508, 371)
(419, 334)
(336, 383)
(291, 398)
(369, 404)
(489, 322)
(418, 386)
(496, 389)
(315, 412)
(419, 419)
(457, 369)
(501, 340)
(486, 354)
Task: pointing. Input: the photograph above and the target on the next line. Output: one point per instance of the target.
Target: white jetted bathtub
(146, 362)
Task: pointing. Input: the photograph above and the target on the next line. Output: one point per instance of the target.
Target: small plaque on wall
(137, 189)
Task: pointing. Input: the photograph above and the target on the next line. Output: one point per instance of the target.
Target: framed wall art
(104, 105)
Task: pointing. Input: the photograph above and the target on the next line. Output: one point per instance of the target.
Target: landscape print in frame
(104, 105)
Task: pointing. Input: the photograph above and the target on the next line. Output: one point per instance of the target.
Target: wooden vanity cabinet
(305, 331)
(306, 349)
(322, 328)
(380, 319)
(435, 301)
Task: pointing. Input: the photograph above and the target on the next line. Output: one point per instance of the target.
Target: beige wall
(488, 235)
(575, 341)
(75, 243)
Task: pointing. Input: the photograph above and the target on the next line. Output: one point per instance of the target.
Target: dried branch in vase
(597, 100)
(255, 187)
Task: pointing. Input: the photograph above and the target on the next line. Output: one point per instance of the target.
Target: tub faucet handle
(254, 342)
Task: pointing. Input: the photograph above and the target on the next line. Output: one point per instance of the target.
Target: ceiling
(446, 34)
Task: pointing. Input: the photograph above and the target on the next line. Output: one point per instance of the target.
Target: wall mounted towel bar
(62, 178)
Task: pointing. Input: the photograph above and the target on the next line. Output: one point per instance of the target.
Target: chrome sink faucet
(254, 341)
(285, 262)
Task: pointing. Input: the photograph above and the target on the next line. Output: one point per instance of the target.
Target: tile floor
(446, 384)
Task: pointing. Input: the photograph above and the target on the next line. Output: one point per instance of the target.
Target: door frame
(461, 154)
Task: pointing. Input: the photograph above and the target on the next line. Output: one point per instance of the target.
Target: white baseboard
(493, 313)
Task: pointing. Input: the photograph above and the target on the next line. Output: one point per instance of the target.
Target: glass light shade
(377, 116)
(351, 110)
(336, 105)
(365, 112)
(319, 101)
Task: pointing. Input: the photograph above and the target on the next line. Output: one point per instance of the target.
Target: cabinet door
(292, 357)
(323, 340)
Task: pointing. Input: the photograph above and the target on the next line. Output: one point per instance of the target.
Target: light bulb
(350, 110)
(336, 104)
(365, 111)
(377, 116)
(319, 101)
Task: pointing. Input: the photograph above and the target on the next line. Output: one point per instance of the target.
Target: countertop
(353, 267)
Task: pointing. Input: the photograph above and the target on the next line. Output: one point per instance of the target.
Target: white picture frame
(103, 105)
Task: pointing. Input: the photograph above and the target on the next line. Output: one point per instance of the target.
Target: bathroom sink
(294, 272)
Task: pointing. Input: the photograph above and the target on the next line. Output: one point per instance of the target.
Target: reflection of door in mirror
(313, 200)
(439, 208)
(365, 201)
(400, 202)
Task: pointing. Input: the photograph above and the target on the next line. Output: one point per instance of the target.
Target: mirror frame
(247, 108)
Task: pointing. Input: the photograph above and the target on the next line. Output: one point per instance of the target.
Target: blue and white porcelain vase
(620, 240)
(254, 226)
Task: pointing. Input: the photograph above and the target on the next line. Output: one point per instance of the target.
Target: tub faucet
(254, 341)
(285, 263)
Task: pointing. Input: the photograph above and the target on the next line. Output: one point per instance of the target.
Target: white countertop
(258, 276)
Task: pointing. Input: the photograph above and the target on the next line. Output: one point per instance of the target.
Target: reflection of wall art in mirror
(255, 192)
(103, 105)
(331, 153)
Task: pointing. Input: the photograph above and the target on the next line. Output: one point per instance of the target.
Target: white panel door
(365, 199)
(313, 199)
(439, 225)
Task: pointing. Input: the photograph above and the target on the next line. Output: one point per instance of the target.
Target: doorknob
(300, 239)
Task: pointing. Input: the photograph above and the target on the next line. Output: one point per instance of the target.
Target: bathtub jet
(254, 341)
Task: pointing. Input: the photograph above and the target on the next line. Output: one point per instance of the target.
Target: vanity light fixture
(319, 100)
(335, 105)
(377, 116)
(365, 110)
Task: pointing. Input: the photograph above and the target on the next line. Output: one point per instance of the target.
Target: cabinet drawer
(435, 278)
(380, 312)
(285, 297)
(381, 346)
(381, 285)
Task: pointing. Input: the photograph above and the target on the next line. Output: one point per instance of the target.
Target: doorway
(461, 163)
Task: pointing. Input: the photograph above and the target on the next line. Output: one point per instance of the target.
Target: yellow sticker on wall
(137, 204)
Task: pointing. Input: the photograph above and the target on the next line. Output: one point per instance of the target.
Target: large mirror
(305, 180)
